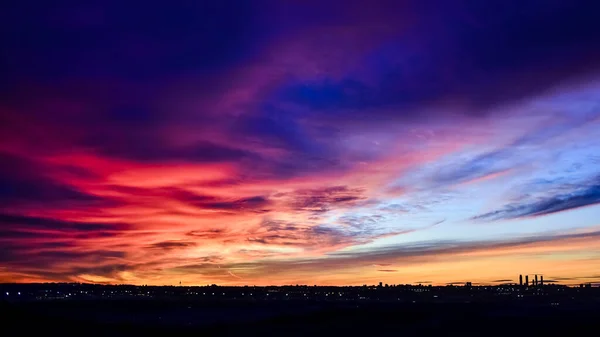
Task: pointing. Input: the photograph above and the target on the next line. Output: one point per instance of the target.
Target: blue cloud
(584, 196)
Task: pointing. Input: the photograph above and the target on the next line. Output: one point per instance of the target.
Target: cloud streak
(586, 195)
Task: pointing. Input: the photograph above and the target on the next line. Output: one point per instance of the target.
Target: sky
(299, 142)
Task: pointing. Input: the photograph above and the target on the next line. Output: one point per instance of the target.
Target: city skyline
(467, 292)
(495, 283)
(300, 142)
(503, 282)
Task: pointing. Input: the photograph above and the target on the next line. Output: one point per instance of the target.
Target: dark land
(404, 310)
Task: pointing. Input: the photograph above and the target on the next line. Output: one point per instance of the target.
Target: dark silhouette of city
(380, 310)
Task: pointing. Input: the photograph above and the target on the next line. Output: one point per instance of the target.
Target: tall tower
(521, 280)
(536, 280)
(542, 280)
(527, 280)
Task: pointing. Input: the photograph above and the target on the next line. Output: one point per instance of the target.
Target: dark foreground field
(182, 318)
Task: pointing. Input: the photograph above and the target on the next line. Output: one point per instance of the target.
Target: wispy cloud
(168, 245)
(579, 196)
(324, 199)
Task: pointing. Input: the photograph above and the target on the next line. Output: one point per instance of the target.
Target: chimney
(527, 280)
(541, 280)
(536, 280)
(521, 280)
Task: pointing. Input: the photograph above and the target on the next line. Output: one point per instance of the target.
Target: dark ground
(185, 318)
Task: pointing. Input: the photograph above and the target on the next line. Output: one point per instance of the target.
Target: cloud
(416, 253)
(257, 204)
(40, 261)
(169, 245)
(364, 223)
(508, 158)
(207, 234)
(39, 246)
(387, 270)
(480, 166)
(234, 275)
(445, 247)
(37, 223)
(581, 279)
(273, 232)
(420, 69)
(322, 200)
(312, 237)
(577, 198)
(23, 184)
(142, 149)
(564, 278)
(106, 270)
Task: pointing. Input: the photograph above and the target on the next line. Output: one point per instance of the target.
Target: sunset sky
(299, 142)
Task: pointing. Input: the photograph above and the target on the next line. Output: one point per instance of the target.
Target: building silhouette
(521, 280)
(541, 280)
(527, 280)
